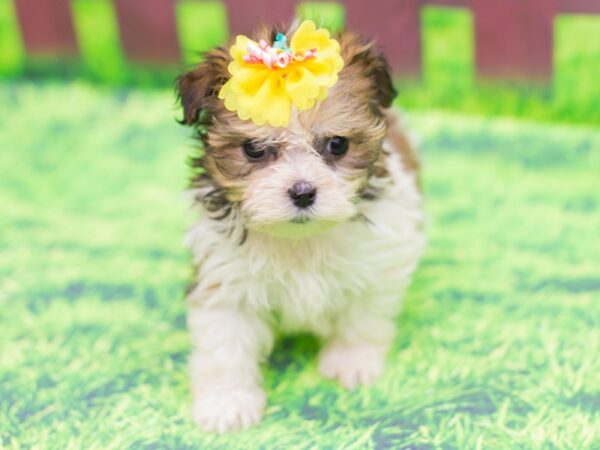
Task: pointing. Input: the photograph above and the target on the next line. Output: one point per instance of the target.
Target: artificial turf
(498, 345)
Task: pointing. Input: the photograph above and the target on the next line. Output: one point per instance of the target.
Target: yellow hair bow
(267, 80)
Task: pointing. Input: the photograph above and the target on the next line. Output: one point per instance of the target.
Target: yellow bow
(267, 80)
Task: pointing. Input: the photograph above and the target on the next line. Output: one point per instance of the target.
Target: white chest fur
(306, 282)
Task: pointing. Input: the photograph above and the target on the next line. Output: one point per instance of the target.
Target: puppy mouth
(300, 219)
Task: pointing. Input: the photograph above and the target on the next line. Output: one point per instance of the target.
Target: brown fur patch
(356, 51)
(198, 89)
(401, 143)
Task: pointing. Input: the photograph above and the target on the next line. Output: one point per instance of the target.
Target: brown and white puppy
(315, 227)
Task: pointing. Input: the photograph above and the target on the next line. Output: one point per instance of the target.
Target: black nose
(303, 194)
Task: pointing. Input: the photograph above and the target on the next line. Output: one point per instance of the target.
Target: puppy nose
(303, 194)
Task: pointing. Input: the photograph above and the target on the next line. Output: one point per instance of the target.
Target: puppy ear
(199, 88)
(371, 63)
(192, 90)
(382, 76)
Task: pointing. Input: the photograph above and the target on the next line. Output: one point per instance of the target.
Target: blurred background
(535, 58)
(498, 344)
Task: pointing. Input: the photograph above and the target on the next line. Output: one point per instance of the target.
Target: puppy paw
(222, 410)
(352, 364)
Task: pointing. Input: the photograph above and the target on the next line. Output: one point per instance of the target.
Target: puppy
(313, 226)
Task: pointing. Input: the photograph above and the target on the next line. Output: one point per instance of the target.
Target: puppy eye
(338, 146)
(252, 152)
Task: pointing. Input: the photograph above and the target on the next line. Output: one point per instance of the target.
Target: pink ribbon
(272, 57)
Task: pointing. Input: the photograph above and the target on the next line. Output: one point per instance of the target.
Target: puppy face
(295, 180)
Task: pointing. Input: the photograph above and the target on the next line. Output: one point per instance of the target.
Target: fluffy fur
(263, 266)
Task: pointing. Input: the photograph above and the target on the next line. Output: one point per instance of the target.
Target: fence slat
(450, 3)
(243, 16)
(148, 30)
(514, 38)
(589, 7)
(47, 27)
(396, 26)
(579, 6)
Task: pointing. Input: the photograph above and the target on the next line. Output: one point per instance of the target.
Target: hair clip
(268, 80)
(277, 56)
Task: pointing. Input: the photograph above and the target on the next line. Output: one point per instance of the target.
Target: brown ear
(382, 74)
(361, 53)
(198, 89)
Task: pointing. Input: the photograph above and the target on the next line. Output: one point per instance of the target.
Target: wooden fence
(513, 38)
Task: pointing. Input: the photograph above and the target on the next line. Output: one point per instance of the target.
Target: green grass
(448, 81)
(497, 346)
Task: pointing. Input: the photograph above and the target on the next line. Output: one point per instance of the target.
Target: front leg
(228, 343)
(355, 352)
